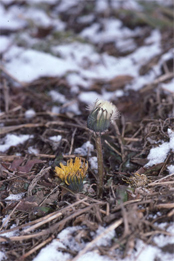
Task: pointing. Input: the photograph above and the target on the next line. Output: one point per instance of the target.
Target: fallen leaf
(119, 82)
(15, 165)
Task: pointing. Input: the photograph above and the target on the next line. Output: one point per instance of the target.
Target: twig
(8, 129)
(36, 248)
(7, 218)
(164, 165)
(94, 241)
(45, 217)
(36, 179)
(162, 78)
(119, 140)
(116, 151)
(167, 205)
(50, 230)
(6, 96)
(42, 223)
(100, 165)
(161, 183)
(156, 181)
(52, 191)
(72, 141)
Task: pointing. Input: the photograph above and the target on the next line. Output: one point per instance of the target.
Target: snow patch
(93, 164)
(85, 149)
(13, 140)
(29, 114)
(56, 138)
(32, 150)
(159, 154)
(15, 197)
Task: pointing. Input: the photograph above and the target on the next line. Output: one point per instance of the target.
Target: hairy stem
(100, 165)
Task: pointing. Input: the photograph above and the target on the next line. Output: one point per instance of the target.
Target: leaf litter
(94, 52)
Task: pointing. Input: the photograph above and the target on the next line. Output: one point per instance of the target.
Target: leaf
(27, 204)
(122, 194)
(15, 166)
(119, 82)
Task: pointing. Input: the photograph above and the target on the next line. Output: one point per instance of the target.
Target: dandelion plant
(102, 113)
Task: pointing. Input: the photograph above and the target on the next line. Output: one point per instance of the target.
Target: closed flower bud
(102, 113)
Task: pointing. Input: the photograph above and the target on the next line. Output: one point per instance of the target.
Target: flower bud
(101, 115)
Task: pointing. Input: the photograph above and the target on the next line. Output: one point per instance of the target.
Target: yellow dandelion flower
(73, 174)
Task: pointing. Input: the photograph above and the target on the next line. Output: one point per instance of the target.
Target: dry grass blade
(44, 219)
(36, 179)
(36, 248)
(93, 242)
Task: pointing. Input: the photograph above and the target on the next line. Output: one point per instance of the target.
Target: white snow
(86, 18)
(82, 64)
(67, 4)
(56, 138)
(113, 31)
(32, 150)
(148, 252)
(34, 64)
(105, 240)
(57, 97)
(15, 197)
(101, 5)
(91, 97)
(85, 149)
(155, 37)
(171, 169)
(66, 239)
(4, 43)
(2, 256)
(93, 163)
(75, 79)
(129, 5)
(126, 45)
(10, 19)
(92, 255)
(42, 1)
(29, 114)
(7, 1)
(51, 252)
(159, 154)
(39, 17)
(13, 140)
(168, 86)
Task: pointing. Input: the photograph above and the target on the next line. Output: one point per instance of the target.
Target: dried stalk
(100, 165)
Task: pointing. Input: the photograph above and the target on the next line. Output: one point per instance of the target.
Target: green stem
(100, 165)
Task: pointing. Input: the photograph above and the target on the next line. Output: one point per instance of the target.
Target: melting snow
(32, 150)
(13, 140)
(57, 97)
(171, 169)
(93, 163)
(159, 154)
(4, 43)
(168, 86)
(85, 149)
(2, 256)
(15, 197)
(9, 20)
(56, 138)
(29, 114)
